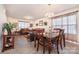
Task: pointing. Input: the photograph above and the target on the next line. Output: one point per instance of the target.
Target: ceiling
(35, 10)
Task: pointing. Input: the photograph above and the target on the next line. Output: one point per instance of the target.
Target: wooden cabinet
(8, 42)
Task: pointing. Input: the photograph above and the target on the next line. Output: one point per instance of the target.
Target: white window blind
(68, 23)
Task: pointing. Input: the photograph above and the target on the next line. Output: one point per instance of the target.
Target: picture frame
(41, 23)
(45, 23)
(31, 25)
(36, 24)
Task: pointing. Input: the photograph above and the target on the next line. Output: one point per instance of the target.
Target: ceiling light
(28, 17)
(49, 4)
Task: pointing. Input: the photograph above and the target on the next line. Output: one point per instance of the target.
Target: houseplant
(8, 26)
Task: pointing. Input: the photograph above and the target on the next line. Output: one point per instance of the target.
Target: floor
(23, 46)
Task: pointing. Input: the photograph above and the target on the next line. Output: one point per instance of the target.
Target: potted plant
(8, 27)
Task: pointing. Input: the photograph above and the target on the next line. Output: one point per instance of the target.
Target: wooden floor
(23, 46)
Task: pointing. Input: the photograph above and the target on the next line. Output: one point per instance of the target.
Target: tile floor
(23, 46)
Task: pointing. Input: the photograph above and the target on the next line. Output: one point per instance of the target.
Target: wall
(3, 19)
(46, 27)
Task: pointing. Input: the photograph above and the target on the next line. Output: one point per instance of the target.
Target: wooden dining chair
(58, 40)
(44, 42)
(62, 35)
(41, 40)
(36, 32)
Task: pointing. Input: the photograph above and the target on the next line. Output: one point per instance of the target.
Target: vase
(13, 30)
(5, 32)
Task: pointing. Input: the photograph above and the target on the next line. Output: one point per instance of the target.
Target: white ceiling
(34, 10)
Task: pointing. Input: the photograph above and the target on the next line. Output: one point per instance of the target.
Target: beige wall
(12, 20)
(48, 20)
(3, 19)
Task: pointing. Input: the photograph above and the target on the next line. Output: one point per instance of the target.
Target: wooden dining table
(51, 34)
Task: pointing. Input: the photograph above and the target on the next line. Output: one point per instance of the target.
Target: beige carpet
(23, 46)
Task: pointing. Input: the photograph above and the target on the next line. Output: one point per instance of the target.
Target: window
(64, 20)
(68, 23)
(23, 24)
(72, 29)
(72, 24)
(72, 19)
(57, 23)
(64, 24)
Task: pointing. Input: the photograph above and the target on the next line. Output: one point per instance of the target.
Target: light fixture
(49, 4)
(28, 17)
(49, 14)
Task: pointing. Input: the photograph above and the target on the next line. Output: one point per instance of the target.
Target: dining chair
(58, 40)
(54, 44)
(36, 32)
(62, 35)
(44, 42)
(41, 40)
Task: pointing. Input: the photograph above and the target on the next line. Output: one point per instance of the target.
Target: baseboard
(72, 42)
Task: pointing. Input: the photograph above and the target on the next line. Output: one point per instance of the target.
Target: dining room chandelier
(49, 14)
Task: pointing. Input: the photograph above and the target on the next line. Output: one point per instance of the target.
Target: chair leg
(61, 44)
(38, 46)
(43, 49)
(64, 43)
(64, 40)
(49, 50)
(34, 42)
(57, 48)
